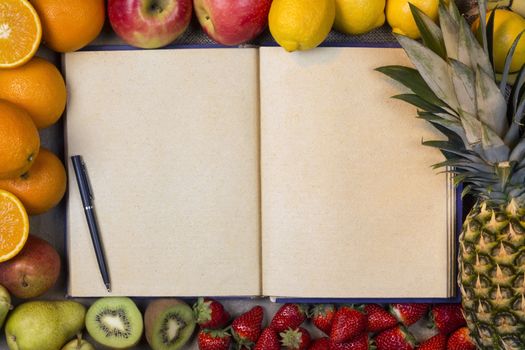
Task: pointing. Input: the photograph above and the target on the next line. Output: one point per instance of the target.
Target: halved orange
(14, 225)
(20, 32)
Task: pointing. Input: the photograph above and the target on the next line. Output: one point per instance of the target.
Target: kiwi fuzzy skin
(154, 314)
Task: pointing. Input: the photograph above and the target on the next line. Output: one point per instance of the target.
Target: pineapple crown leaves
(454, 88)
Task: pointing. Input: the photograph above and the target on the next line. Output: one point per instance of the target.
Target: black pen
(86, 194)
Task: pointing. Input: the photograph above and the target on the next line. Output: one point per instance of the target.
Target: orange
(42, 186)
(19, 140)
(14, 229)
(38, 87)
(20, 32)
(69, 25)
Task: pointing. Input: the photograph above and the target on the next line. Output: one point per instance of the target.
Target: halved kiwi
(115, 322)
(169, 324)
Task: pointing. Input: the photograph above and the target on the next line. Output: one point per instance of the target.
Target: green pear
(78, 344)
(5, 304)
(44, 325)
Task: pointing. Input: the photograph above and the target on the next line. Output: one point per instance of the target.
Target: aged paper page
(170, 140)
(350, 204)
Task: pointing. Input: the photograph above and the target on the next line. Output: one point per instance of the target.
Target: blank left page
(170, 141)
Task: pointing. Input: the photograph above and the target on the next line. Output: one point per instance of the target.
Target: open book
(246, 172)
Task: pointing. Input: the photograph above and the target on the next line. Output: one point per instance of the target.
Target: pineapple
(454, 89)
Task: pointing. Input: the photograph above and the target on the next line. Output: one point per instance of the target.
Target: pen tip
(108, 287)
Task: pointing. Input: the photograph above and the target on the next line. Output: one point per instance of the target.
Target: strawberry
(397, 338)
(210, 314)
(460, 340)
(378, 318)
(295, 339)
(246, 328)
(322, 316)
(212, 339)
(348, 323)
(361, 342)
(269, 340)
(437, 342)
(447, 317)
(288, 316)
(408, 314)
(320, 344)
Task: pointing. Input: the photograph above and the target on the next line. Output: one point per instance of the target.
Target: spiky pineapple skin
(491, 275)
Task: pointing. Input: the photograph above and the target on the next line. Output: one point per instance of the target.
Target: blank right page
(350, 204)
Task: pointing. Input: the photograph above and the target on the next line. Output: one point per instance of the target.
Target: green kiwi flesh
(115, 322)
(169, 324)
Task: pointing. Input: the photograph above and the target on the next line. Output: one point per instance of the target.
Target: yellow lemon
(400, 18)
(359, 16)
(301, 24)
(507, 26)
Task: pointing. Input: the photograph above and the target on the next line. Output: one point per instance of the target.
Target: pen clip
(88, 182)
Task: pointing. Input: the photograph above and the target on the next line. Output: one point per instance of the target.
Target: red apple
(232, 22)
(33, 271)
(149, 24)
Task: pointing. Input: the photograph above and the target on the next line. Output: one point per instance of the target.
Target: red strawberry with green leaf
(447, 317)
(361, 342)
(397, 338)
(322, 316)
(378, 318)
(213, 339)
(348, 323)
(288, 316)
(460, 340)
(295, 339)
(320, 344)
(408, 314)
(269, 340)
(437, 342)
(246, 328)
(209, 313)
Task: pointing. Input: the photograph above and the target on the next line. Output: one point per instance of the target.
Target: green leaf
(470, 52)
(518, 152)
(518, 117)
(446, 117)
(494, 149)
(454, 11)
(411, 78)
(466, 191)
(508, 61)
(465, 86)
(450, 128)
(433, 69)
(450, 32)
(482, 28)
(472, 128)
(489, 30)
(467, 165)
(517, 178)
(419, 102)
(521, 163)
(451, 134)
(518, 89)
(513, 134)
(447, 146)
(430, 32)
(471, 178)
(492, 107)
